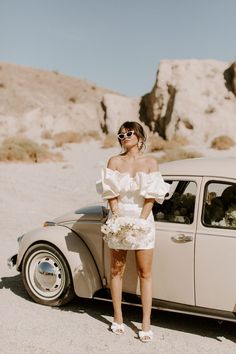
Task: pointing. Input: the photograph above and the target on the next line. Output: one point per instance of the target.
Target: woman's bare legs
(144, 268)
(118, 262)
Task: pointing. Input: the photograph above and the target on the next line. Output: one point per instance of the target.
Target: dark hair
(137, 128)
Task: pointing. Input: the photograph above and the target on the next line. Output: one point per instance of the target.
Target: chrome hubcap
(48, 274)
(45, 275)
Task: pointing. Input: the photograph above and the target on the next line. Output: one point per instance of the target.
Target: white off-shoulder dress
(131, 193)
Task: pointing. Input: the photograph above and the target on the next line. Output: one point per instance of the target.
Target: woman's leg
(118, 262)
(144, 268)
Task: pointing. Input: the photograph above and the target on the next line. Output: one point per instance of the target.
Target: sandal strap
(117, 328)
(146, 336)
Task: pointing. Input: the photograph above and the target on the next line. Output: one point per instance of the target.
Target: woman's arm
(113, 202)
(147, 208)
(148, 202)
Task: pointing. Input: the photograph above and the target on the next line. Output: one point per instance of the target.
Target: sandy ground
(31, 194)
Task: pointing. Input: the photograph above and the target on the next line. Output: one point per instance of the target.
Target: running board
(135, 300)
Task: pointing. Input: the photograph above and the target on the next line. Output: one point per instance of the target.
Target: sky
(116, 44)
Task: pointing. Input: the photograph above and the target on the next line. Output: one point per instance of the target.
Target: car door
(215, 262)
(176, 220)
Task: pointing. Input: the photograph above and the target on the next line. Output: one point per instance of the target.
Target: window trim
(218, 227)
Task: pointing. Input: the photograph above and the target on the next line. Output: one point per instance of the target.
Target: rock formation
(230, 78)
(192, 98)
(118, 109)
(33, 100)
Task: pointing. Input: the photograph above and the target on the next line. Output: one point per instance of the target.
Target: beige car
(195, 253)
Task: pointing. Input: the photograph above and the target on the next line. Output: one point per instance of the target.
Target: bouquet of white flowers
(126, 231)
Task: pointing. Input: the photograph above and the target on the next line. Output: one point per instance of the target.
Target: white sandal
(145, 336)
(117, 328)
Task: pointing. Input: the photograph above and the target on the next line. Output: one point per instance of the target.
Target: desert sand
(33, 193)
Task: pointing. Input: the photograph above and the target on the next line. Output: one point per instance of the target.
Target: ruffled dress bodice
(132, 191)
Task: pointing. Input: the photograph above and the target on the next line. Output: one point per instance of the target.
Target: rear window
(179, 205)
(219, 207)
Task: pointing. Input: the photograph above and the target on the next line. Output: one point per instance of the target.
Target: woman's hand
(115, 212)
(147, 208)
(113, 204)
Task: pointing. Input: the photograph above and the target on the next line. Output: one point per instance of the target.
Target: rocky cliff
(33, 101)
(192, 98)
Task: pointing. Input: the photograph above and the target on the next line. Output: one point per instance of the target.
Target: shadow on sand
(99, 310)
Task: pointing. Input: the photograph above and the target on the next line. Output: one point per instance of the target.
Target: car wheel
(46, 276)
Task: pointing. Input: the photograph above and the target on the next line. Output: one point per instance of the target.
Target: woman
(131, 183)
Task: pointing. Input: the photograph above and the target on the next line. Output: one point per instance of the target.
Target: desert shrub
(178, 154)
(206, 93)
(157, 143)
(69, 137)
(46, 134)
(222, 142)
(92, 134)
(21, 130)
(93, 87)
(24, 149)
(109, 141)
(210, 109)
(2, 85)
(72, 99)
(188, 124)
(211, 74)
(176, 142)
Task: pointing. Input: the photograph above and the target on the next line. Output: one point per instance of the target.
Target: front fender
(85, 275)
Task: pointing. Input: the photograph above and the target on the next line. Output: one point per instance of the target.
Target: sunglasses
(128, 135)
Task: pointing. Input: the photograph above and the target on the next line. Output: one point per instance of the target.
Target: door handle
(181, 238)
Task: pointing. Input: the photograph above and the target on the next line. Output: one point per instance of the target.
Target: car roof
(203, 166)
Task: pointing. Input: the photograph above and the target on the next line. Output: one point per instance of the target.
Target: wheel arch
(85, 275)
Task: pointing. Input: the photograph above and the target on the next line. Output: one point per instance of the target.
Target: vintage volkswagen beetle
(194, 258)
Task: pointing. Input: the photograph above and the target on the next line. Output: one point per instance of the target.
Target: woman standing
(131, 183)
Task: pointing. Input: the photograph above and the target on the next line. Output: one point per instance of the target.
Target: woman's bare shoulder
(113, 162)
(151, 163)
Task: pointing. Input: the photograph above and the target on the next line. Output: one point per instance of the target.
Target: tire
(46, 275)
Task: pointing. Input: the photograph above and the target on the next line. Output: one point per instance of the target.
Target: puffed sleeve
(109, 185)
(152, 185)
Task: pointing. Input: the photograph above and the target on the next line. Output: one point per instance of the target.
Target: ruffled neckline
(136, 174)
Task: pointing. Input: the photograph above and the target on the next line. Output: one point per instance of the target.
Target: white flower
(126, 230)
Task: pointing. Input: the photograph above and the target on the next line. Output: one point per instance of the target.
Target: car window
(179, 204)
(219, 207)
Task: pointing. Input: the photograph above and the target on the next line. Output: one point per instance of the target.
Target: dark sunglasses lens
(121, 136)
(129, 133)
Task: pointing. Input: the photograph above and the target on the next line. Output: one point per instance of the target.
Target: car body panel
(83, 268)
(215, 257)
(174, 257)
(87, 213)
(202, 166)
(86, 222)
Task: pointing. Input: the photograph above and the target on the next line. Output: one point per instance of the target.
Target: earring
(140, 145)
